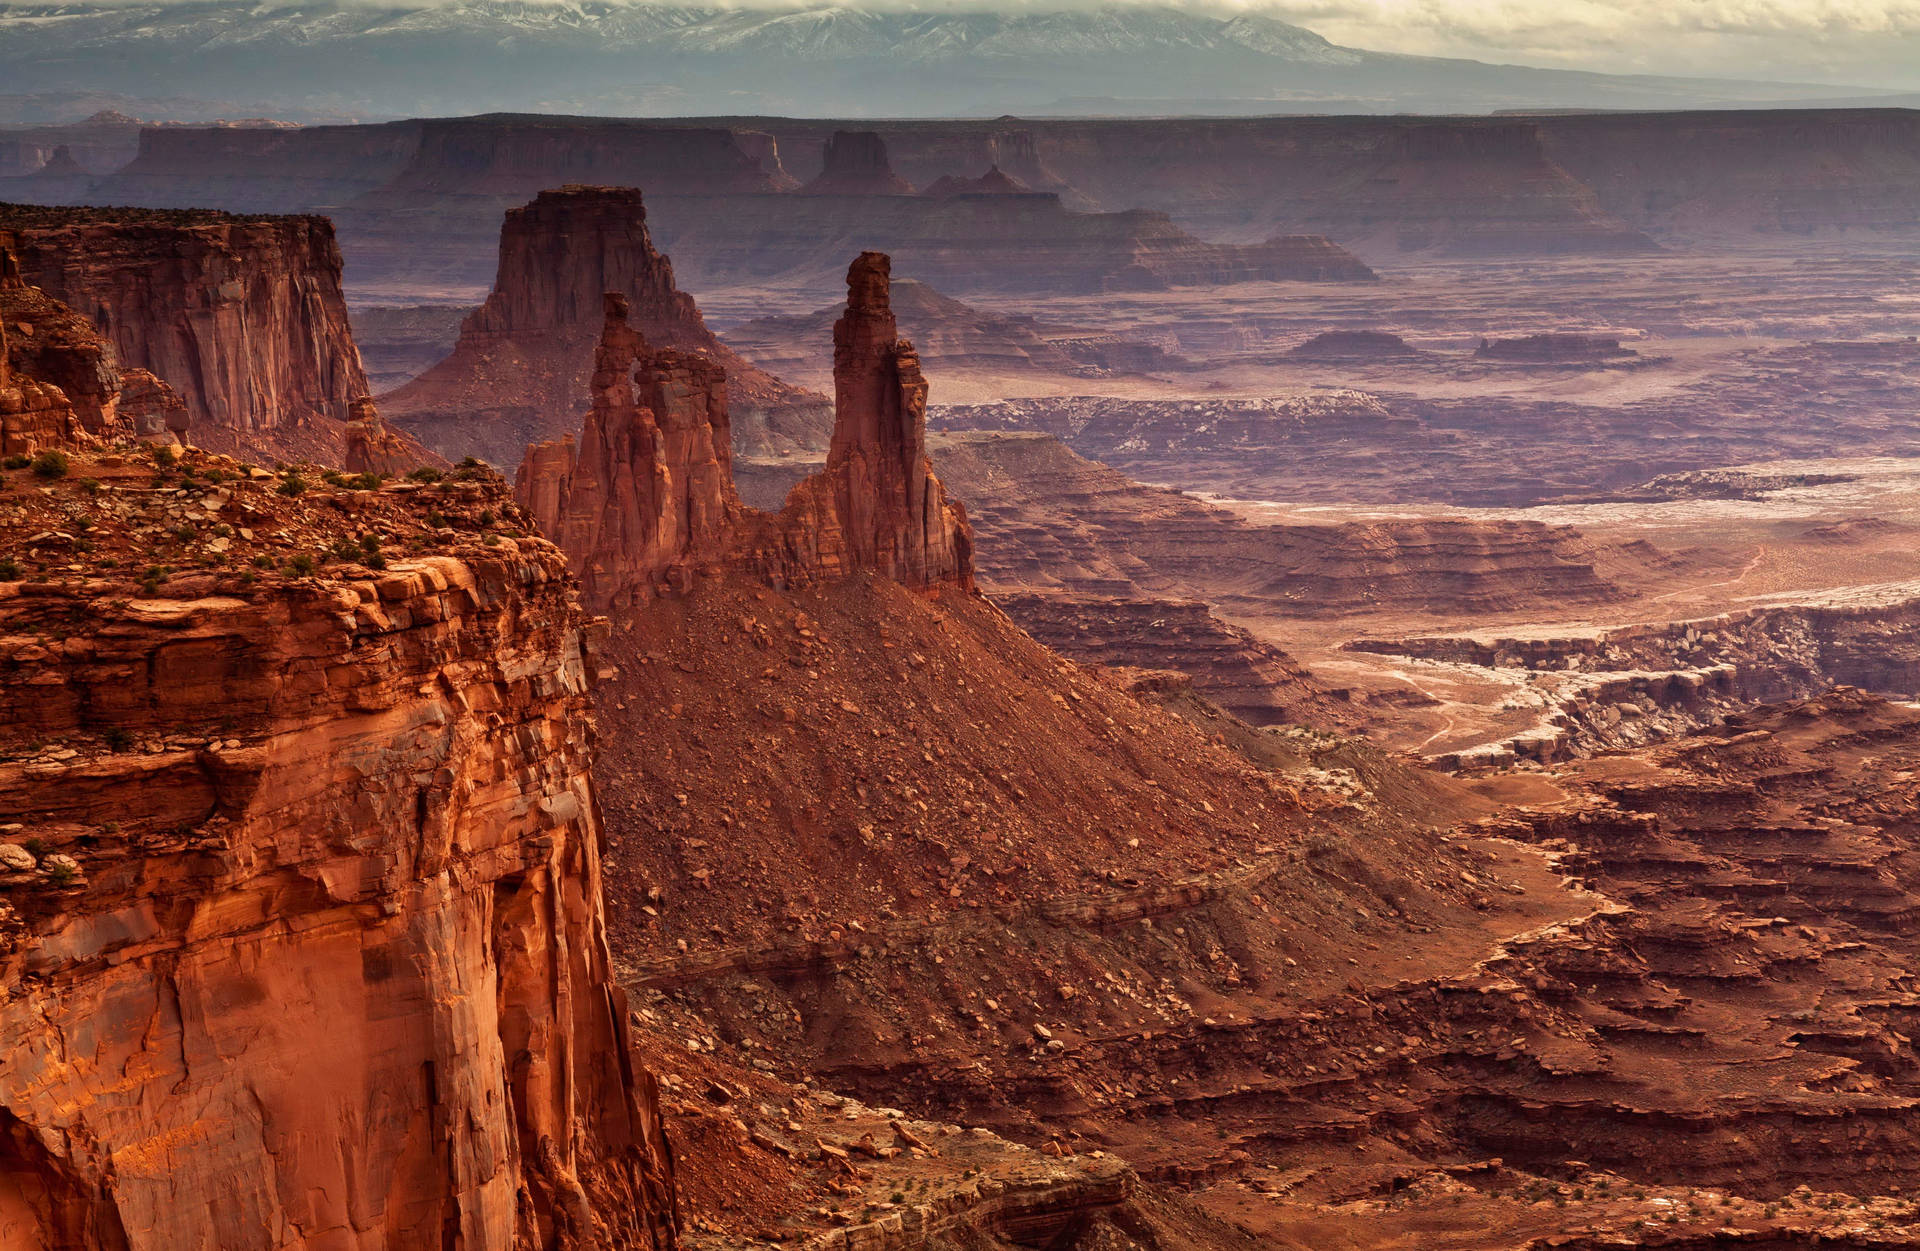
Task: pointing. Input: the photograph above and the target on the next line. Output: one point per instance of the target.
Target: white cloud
(1830, 40)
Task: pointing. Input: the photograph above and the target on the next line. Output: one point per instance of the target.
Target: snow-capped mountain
(623, 56)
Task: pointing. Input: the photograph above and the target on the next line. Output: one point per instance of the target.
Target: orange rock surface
(313, 952)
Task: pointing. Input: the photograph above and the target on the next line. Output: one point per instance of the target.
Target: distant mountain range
(608, 56)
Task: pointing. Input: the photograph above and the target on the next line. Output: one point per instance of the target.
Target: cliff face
(244, 317)
(1010, 242)
(647, 497)
(301, 937)
(855, 163)
(523, 358)
(61, 383)
(888, 507)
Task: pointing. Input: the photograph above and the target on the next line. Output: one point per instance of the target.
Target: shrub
(293, 484)
(301, 565)
(163, 456)
(365, 482)
(90, 485)
(184, 532)
(426, 473)
(263, 561)
(17, 462)
(118, 739)
(61, 874)
(51, 463)
(9, 569)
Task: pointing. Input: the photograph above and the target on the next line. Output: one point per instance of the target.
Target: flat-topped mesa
(516, 375)
(561, 253)
(855, 163)
(646, 498)
(893, 513)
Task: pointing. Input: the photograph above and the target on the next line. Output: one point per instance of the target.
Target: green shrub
(17, 462)
(294, 485)
(301, 565)
(90, 485)
(51, 463)
(9, 569)
(426, 473)
(163, 456)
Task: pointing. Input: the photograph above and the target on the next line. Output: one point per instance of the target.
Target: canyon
(1106, 737)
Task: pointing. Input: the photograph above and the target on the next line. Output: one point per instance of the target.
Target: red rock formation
(879, 496)
(314, 952)
(854, 162)
(647, 497)
(151, 409)
(60, 382)
(521, 364)
(244, 317)
(373, 448)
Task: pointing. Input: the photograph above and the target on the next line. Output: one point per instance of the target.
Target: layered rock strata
(523, 358)
(1624, 687)
(889, 508)
(301, 935)
(61, 383)
(243, 316)
(646, 500)
(855, 163)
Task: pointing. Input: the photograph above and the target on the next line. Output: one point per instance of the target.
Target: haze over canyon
(1106, 630)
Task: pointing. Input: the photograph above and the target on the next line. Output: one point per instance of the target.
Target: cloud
(1859, 39)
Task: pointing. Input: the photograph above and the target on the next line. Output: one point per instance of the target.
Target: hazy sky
(1862, 41)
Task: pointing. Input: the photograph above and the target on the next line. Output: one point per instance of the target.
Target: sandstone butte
(645, 501)
(524, 358)
(243, 316)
